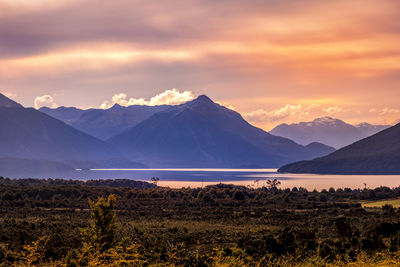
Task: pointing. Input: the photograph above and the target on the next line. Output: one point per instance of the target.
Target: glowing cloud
(45, 101)
(291, 113)
(332, 110)
(261, 115)
(168, 97)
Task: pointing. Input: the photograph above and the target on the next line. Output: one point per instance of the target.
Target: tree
(273, 184)
(101, 233)
(155, 180)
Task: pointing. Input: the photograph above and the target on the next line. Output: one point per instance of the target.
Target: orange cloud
(256, 57)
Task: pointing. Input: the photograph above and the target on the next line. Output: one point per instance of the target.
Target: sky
(272, 61)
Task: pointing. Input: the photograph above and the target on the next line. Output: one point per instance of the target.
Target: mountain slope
(5, 102)
(329, 131)
(28, 133)
(201, 133)
(369, 129)
(65, 114)
(104, 123)
(377, 154)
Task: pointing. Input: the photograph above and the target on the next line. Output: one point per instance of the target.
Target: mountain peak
(200, 101)
(116, 105)
(5, 102)
(203, 99)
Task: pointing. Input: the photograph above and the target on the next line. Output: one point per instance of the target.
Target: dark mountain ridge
(30, 134)
(5, 102)
(377, 154)
(65, 114)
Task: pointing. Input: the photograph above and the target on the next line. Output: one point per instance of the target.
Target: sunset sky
(272, 61)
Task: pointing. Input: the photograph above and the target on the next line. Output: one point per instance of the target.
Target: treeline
(58, 193)
(211, 226)
(63, 182)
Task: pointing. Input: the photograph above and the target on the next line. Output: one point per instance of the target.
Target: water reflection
(177, 178)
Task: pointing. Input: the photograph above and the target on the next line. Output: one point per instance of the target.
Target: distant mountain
(65, 114)
(104, 123)
(202, 133)
(322, 148)
(377, 154)
(327, 130)
(31, 134)
(370, 129)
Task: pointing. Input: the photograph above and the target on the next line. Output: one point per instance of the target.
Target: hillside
(31, 134)
(377, 154)
(5, 102)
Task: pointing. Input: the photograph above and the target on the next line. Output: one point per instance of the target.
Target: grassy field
(378, 204)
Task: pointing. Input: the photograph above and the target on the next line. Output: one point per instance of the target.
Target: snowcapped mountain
(327, 130)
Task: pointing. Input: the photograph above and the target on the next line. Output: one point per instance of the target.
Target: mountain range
(377, 154)
(201, 133)
(104, 123)
(28, 134)
(327, 130)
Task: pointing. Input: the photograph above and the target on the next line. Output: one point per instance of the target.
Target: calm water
(177, 178)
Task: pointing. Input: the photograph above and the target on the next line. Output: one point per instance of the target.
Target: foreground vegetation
(51, 222)
(395, 203)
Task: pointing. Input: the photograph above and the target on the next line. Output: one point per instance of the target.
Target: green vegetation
(395, 203)
(108, 223)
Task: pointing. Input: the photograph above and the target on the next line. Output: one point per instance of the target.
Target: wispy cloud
(290, 113)
(283, 50)
(263, 116)
(333, 110)
(389, 111)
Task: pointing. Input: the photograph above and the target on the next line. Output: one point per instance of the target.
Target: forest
(54, 222)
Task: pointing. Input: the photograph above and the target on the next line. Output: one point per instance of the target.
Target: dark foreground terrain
(51, 222)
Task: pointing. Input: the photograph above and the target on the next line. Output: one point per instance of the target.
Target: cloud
(45, 101)
(262, 116)
(332, 110)
(225, 104)
(389, 111)
(299, 112)
(350, 53)
(168, 97)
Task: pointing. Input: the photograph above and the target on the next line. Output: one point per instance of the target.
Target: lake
(177, 178)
